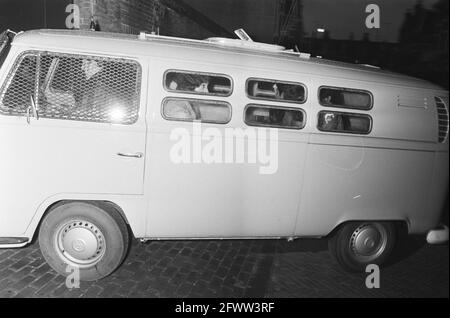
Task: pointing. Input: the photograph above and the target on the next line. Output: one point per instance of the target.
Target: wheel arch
(108, 206)
(401, 225)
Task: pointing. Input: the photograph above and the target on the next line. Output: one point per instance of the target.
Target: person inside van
(91, 84)
(202, 88)
(292, 119)
(279, 91)
(80, 83)
(330, 96)
(326, 100)
(293, 93)
(188, 82)
(180, 109)
(329, 122)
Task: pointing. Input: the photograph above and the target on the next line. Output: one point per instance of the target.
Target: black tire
(84, 235)
(358, 244)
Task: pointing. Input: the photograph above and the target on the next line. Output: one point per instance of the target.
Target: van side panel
(361, 183)
(390, 174)
(221, 200)
(200, 200)
(41, 160)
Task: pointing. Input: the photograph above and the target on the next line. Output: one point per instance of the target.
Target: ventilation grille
(442, 119)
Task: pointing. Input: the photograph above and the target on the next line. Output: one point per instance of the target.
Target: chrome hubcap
(80, 243)
(368, 242)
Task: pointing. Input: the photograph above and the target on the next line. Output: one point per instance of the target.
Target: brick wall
(174, 24)
(124, 16)
(133, 16)
(257, 17)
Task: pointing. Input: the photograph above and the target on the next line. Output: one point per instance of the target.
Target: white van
(89, 122)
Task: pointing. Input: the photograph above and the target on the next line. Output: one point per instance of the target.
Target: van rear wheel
(84, 236)
(358, 244)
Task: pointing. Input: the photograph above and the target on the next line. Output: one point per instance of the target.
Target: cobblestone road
(303, 268)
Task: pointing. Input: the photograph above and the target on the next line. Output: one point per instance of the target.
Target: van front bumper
(438, 235)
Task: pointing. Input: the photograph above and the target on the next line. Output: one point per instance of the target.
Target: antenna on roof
(243, 35)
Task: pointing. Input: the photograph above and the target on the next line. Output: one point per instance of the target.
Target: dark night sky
(20, 15)
(339, 17)
(345, 16)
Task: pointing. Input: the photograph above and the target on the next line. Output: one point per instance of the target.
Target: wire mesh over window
(20, 87)
(74, 87)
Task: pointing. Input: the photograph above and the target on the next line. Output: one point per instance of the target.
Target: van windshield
(5, 44)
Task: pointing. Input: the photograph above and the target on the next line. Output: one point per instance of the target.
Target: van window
(187, 109)
(75, 87)
(344, 122)
(277, 117)
(198, 83)
(19, 88)
(276, 90)
(345, 98)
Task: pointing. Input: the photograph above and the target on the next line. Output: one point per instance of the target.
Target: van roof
(199, 50)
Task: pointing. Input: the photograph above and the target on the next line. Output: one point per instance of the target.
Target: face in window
(329, 118)
(292, 119)
(198, 83)
(345, 98)
(329, 121)
(326, 100)
(202, 88)
(90, 68)
(173, 86)
(292, 93)
(274, 117)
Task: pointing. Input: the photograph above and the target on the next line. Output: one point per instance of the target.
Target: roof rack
(370, 65)
(146, 36)
(258, 46)
(227, 42)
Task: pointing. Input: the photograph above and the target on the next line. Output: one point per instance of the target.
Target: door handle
(138, 155)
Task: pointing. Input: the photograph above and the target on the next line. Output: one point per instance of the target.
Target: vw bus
(98, 137)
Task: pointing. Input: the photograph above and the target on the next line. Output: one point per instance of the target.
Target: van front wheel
(358, 244)
(82, 236)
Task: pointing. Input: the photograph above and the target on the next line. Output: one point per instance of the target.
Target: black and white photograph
(224, 155)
